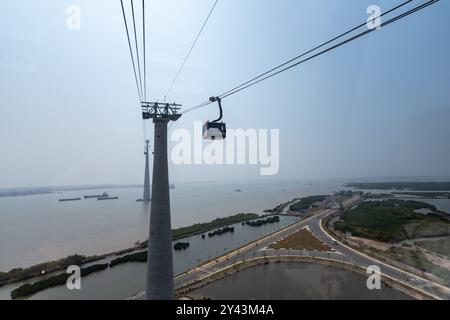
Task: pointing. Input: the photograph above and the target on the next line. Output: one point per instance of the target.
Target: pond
(297, 281)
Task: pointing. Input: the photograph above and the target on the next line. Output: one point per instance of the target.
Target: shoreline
(54, 267)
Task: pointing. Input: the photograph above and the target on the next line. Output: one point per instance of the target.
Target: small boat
(69, 199)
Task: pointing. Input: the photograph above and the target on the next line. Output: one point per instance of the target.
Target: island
(221, 231)
(200, 228)
(258, 223)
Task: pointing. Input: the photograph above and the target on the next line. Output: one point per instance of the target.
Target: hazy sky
(69, 113)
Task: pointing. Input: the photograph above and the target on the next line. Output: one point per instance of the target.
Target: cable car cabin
(214, 131)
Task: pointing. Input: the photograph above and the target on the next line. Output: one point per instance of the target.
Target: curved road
(340, 252)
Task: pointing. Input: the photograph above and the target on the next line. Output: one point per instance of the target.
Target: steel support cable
(334, 46)
(299, 56)
(204, 104)
(137, 48)
(252, 82)
(131, 51)
(317, 47)
(145, 64)
(190, 50)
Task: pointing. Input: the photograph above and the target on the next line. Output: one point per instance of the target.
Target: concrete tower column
(146, 196)
(160, 258)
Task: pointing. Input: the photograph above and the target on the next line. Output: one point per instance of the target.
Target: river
(38, 228)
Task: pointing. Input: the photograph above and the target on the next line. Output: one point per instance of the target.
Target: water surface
(296, 281)
(38, 228)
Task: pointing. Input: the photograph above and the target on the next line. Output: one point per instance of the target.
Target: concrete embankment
(245, 264)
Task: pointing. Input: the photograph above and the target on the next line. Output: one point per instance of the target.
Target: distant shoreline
(403, 186)
(23, 192)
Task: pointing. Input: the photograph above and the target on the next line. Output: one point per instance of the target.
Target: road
(340, 252)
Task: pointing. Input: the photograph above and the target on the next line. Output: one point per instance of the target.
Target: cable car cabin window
(214, 131)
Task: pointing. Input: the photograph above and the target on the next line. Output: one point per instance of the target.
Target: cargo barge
(108, 198)
(69, 199)
(96, 196)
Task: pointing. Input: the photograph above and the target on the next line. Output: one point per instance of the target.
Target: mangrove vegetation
(306, 203)
(258, 223)
(60, 279)
(200, 228)
(393, 220)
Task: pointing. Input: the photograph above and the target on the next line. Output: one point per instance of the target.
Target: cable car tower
(146, 196)
(160, 259)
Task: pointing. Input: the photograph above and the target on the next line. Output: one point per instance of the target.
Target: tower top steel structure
(160, 110)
